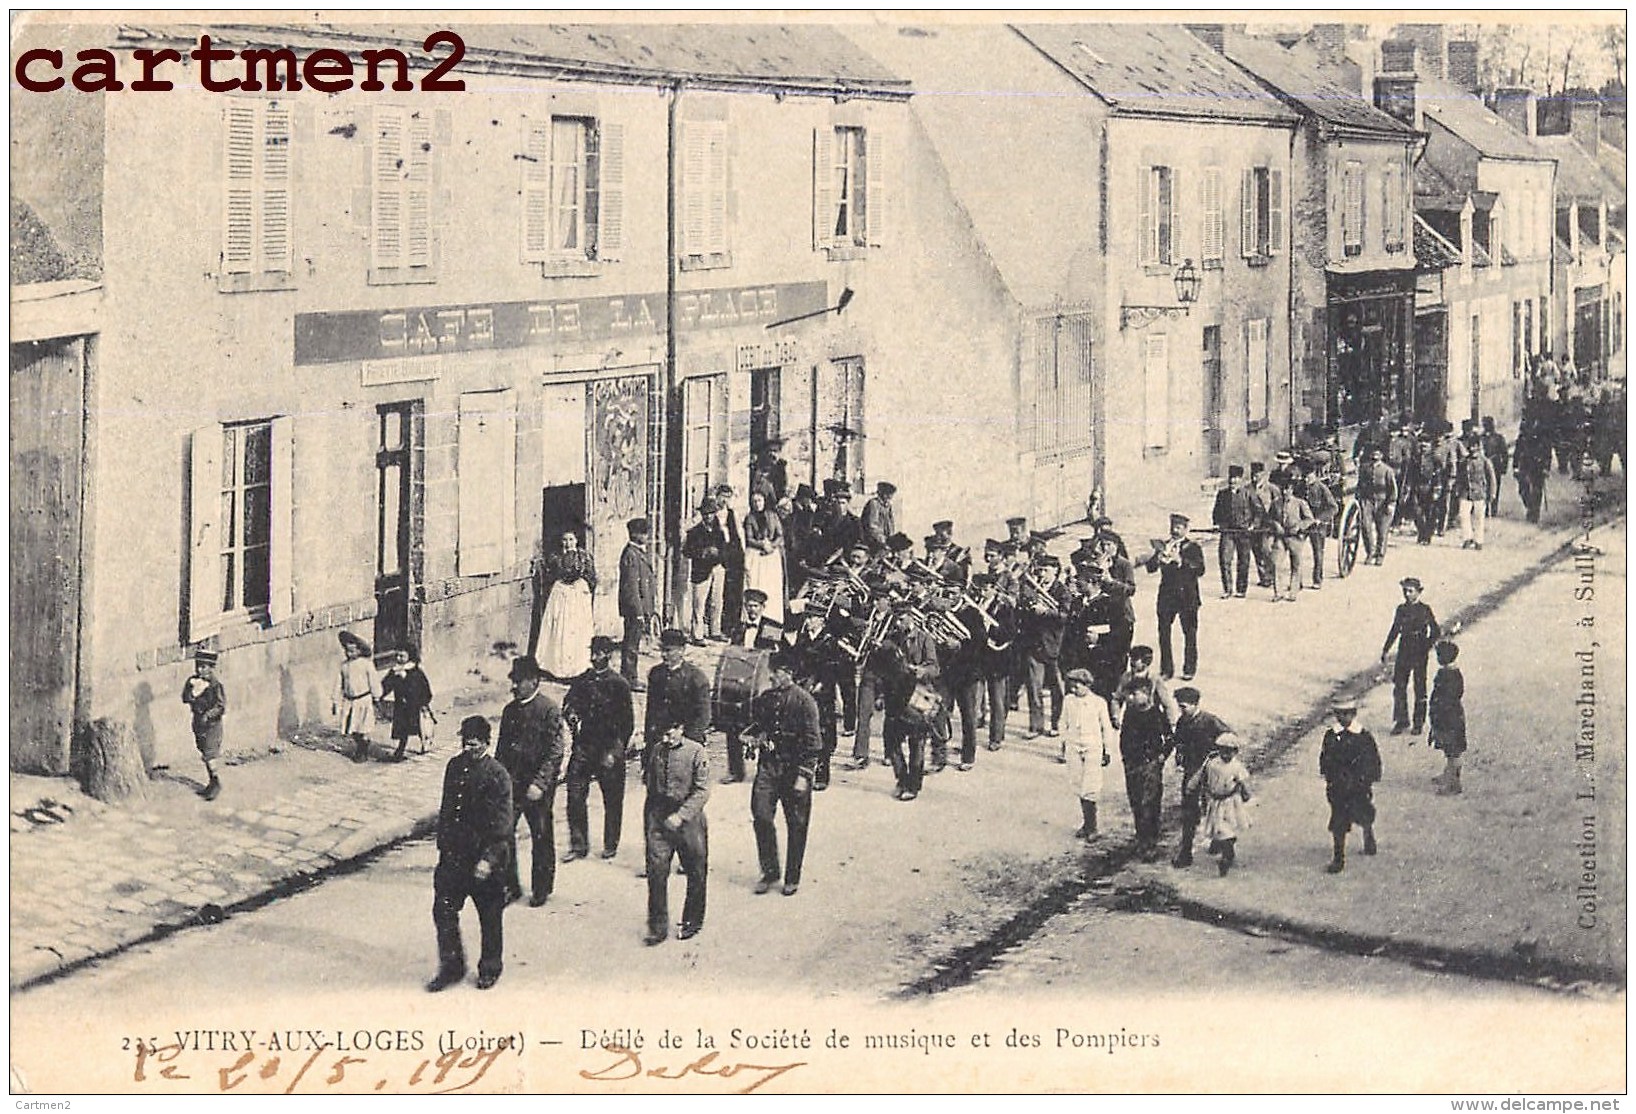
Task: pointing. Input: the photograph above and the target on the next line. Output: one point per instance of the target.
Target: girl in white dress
(1226, 791)
(1086, 733)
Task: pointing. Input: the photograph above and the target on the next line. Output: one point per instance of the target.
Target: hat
(1235, 471)
(1020, 520)
(1344, 704)
(1047, 561)
(804, 491)
(1188, 695)
(1411, 582)
(944, 526)
(936, 541)
(476, 727)
(982, 579)
(1257, 467)
(754, 595)
(842, 487)
(831, 486)
(1145, 652)
(897, 543)
(1083, 676)
(708, 505)
(1181, 518)
(671, 637)
(639, 526)
(724, 489)
(602, 644)
(781, 660)
(1101, 522)
(993, 543)
(204, 656)
(886, 488)
(524, 668)
(1283, 456)
(350, 640)
(1227, 741)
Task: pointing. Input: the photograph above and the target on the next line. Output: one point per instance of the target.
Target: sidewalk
(110, 877)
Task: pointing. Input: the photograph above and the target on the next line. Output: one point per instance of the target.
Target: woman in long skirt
(764, 554)
(564, 649)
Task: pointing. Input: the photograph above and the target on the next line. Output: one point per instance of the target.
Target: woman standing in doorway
(564, 650)
(764, 554)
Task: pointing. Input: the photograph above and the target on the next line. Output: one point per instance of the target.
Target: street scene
(941, 652)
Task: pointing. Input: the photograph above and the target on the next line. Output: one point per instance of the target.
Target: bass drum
(741, 676)
(924, 706)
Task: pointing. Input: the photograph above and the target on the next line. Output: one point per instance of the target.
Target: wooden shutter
(1169, 228)
(280, 498)
(1275, 210)
(695, 152)
(1257, 372)
(204, 569)
(1146, 190)
(274, 232)
(486, 457)
(878, 200)
(536, 189)
(386, 216)
(239, 206)
(716, 193)
(610, 185)
(417, 238)
(1210, 198)
(1246, 215)
(1156, 392)
(823, 187)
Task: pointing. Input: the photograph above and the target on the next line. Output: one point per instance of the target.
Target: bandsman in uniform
(475, 833)
(784, 724)
(531, 750)
(1180, 564)
(638, 596)
(602, 717)
(879, 519)
(755, 631)
(820, 666)
(1044, 607)
(908, 657)
(678, 692)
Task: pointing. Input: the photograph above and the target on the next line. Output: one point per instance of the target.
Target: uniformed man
(638, 596)
(1322, 503)
(599, 711)
(678, 692)
(1043, 618)
(754, 632)
(1377, 500)
(1532, 463)
(820, 666)
(1234, 516)
(475, 835)
(1475, 485)
(677, 776)
(784, 725)
(879, 520)
(1498, 452)
(1103, 528)
(531, 749)
(1415, 630)
(907, 659)
(1180, 563)
(1017, 531)
(1399, 456)
(1350, 765)
(838, 527)
(1195, 735)
(1261, 490)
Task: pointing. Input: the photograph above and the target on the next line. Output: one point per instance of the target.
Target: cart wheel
(1351, 537)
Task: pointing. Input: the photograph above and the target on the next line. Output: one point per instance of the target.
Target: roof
(1146, 69)
(784, 54)
(1431, 251)
(1468, 120)
(1310, 90)
(1434, 189)
(35, 256)
(1580, 177)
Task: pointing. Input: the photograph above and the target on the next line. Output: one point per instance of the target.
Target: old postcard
(822, 552)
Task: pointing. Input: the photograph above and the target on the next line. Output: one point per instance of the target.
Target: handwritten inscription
(627, 1065)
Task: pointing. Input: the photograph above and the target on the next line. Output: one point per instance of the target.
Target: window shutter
(536, 189)
(239, 208)
(1257, 371)
(486, 469)
(1210, 194)
(1275, 210)
(204, 568)
(274, 237)
(610, 184)
(1150, 231)
(417, 239)
(280, 496)
(823, 187)
(695, 144)
(1156, 389)
(1170, 235)
(877, 198)
(1246, 215)
(386, 223)
(716, 194)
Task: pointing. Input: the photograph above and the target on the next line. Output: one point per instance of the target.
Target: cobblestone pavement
(111, 876)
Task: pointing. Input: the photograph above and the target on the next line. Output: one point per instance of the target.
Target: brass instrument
(1039, 600)
(1168, 552)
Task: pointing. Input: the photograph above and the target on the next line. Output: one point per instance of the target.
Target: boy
(204, 694)
(1415, 630)
(1350, 766)
(1448, 718)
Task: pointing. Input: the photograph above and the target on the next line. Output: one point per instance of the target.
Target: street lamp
(1186, 280)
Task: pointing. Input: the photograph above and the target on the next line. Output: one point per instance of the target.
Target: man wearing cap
(1104, 530)
(1180, 563)
(1017, 531)
(530, 748)
(1195, 735)
(801, 536)
(1498, 452)
(1234, 515)
(1415, 630)
(1475, 484)
(676, 773)
(678, 693)
(838, 527)
(599, 711)
(906, 660)
(638, 596)
(205, 697)
(1377, 500)
(705, 547)
(1349, 763)
(880, 517)
(753, 632)
(1262, 492)
(784, 725)
(1044, 607)
(476, 835)
(771, 475)
(1323, 506)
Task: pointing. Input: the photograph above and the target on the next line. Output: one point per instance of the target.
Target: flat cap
(671, 638)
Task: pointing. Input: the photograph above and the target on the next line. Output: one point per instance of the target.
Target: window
(1062, 383)
(486, 455)
(239, 543)
(1262, 212)
(256, 247)
(1618, 322)
(837, 422)
(401, 203)
(850, 203)
(705, 429)
(1257, 373)
(1352, 208)
(704, 201)
(1214, 231)
(1396, 209)
(573, 190)
(1528, 328)
(1517, 349)
(1158, 215)
(1156, 392)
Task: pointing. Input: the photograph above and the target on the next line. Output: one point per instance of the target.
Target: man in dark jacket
(705, 546)
(638, 596)
(1350, 765)
(1321, 501)
(753, 631)
(1234, 516)
(530, 748)
(1043, 618)
(1377, 502)
(1195, 736)
(1415, 630)
(801, 540)
(1498, 452)
(908, 658)
(678, 692)
(599, 711)
(784, 727)
(1180, 564)
(677, 775)
(475, 833)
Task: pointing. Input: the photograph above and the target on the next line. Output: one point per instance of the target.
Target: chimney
(1515, 105)
(1553, 115)
(1585, 123)
(1463, 64)
(1329, 40)
(1213, 34)
(1428, 37)
(1397, 56)
(1395, 95)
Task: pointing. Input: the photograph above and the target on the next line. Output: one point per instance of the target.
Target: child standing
(1415, 630)
(1350, 765)
(356, 691)
(1086, 731)
(1226, 785)
(410, 694)
(1448, 718)
(204, 694)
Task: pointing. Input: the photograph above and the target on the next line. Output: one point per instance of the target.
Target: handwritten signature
(628, 1065)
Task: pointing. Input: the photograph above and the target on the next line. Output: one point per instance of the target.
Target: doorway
(395, 622)
(1215, 402)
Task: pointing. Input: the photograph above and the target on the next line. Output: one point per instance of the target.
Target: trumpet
(1039, 599)
(1169, 552)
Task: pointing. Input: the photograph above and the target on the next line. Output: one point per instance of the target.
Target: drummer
(754, 632)
(909, 670)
